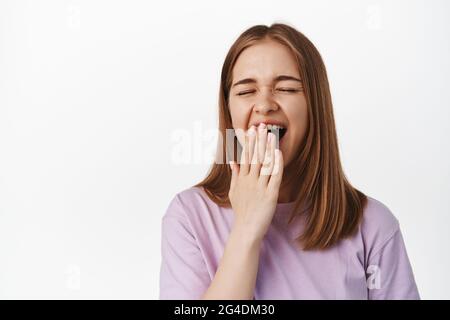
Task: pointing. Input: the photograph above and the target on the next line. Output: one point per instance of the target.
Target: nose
(265, 102)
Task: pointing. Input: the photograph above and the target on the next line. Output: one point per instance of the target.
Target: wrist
(245, 236)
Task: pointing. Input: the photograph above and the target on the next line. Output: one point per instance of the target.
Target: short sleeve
(183, 273)
(389, 272)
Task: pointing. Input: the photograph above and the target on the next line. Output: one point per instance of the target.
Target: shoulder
(187, 202)
(192, 215)
(192, 195)
(378, 225)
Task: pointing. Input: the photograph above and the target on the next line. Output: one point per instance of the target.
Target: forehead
(265, 60)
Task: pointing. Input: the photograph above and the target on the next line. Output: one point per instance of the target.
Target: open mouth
(278, 131)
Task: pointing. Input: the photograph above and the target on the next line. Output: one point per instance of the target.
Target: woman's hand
(253, 195)
(256, 182)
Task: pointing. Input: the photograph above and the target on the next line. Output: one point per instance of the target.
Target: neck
(287, 191)
(285, 194)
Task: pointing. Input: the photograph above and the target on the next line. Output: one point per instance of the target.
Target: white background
(94, 95)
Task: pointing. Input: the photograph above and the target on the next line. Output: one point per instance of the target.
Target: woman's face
(261, 97)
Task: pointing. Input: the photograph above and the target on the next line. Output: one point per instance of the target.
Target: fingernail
(251, 131)
(269, 138)
(262, 125)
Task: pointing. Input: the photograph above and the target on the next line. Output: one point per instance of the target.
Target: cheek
(298, 120)
(238, 113)
(239, 118)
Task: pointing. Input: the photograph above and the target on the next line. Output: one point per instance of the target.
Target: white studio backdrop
(96, 95)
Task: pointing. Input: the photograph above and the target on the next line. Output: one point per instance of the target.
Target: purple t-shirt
(373, 264)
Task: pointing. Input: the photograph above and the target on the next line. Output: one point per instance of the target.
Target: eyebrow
(276, 79)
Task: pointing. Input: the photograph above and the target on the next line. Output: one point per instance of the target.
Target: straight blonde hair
(335, 208)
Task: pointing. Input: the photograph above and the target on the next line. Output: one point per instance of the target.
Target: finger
(277, 174)
(256, 162)
(244, 166)
(267, 165)
(248, 149)
(234, 173)
(251, 144)
(262, 141)
(259, 154)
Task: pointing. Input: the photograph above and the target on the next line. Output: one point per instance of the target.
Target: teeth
(274, 127)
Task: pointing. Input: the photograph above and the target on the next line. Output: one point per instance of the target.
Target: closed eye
(288, 90)
(245, 92)
(279, 89)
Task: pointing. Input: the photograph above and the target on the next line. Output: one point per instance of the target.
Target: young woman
(283, 222)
